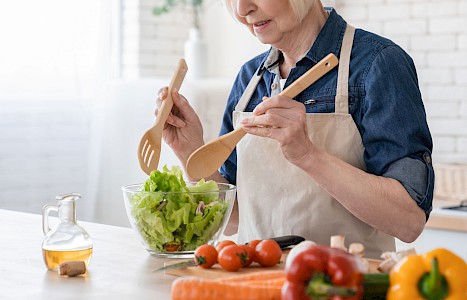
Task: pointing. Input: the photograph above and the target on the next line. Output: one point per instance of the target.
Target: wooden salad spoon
(149, 148)
(208, 158)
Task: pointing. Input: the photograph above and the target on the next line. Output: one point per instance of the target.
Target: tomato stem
(243, 257)
(200, 260)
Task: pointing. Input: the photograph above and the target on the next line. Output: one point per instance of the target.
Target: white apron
(277, 198)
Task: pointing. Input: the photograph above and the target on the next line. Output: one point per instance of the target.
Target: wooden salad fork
(149, 148)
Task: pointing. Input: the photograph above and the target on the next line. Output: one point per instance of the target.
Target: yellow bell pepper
(436, 275)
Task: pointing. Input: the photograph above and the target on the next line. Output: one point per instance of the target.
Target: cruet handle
(45, 216)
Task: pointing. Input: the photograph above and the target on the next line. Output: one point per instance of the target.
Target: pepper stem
(319, 289)
(433, 285)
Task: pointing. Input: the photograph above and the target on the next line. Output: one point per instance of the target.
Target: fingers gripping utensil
(149, 148)
(207, 159)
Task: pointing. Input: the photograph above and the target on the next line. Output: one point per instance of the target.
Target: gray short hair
(299, 7)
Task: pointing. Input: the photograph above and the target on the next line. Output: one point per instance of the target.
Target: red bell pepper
(322, 272)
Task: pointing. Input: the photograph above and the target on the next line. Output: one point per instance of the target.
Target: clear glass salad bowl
(173, 224)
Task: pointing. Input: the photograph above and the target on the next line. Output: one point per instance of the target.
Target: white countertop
(449, 212)
(120, 267)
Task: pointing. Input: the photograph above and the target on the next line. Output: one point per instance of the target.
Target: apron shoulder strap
(250, 89)
(342, 94)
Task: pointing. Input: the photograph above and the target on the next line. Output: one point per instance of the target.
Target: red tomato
(205, 256)
(253, 245)
(250, 254)
(268, 253)
(231, 258)
(224, 243)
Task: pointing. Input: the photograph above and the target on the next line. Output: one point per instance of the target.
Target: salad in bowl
(172, 217)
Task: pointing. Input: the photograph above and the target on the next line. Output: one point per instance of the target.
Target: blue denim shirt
(384, 101)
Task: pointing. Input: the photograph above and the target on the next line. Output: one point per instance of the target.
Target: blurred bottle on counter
(66, 240)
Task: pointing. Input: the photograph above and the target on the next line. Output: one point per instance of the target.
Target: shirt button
(274, 86)
(428, 159)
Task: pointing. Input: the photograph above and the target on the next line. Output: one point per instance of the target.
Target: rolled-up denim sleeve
(395, 132)
(417, 177)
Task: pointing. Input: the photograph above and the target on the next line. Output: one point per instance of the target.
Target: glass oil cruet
(66, 241)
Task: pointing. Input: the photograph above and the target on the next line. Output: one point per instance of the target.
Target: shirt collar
(325, 43)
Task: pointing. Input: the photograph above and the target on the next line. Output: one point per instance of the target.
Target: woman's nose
(244, 7)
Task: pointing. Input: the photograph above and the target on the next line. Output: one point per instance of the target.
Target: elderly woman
(349, 155)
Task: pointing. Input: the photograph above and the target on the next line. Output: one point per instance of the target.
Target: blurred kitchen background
(78, 81)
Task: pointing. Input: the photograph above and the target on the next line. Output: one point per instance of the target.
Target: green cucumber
(376, 286)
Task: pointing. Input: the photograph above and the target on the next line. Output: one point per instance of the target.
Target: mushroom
(392, 258)
(357, 249)
(338, 241)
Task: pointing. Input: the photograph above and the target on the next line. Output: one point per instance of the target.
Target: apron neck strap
(342, 94)
(250, 89)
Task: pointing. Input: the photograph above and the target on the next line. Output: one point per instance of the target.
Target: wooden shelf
(447, 223)
(447, 220)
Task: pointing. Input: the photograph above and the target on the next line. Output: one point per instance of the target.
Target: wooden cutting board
(217, 272)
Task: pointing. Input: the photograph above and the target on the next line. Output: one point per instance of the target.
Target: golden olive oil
(54, 258)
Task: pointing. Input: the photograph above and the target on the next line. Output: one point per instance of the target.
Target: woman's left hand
(284, 120)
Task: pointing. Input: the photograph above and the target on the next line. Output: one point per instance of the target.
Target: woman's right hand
(183, 131)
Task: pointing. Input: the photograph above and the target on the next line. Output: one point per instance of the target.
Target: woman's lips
(261, 25)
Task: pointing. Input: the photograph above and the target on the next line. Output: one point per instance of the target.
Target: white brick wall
(434, 33)
(151, 46)
(44, 152)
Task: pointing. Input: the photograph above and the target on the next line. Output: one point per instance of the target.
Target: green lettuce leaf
(172, 218)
